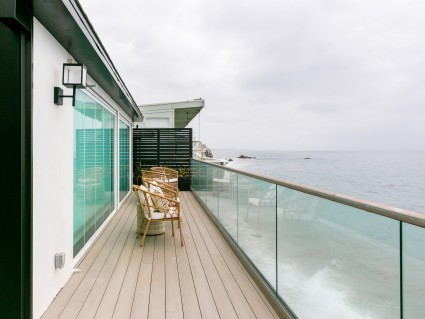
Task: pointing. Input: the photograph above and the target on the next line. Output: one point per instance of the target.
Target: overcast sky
(277, 74)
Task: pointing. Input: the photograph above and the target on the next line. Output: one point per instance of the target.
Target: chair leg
(181, 233)
(140, 228)
(172, 226)
(144, 235)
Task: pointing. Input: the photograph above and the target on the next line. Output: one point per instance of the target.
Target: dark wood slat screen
(162, 147)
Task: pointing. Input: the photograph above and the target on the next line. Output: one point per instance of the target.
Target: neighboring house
(169, 115)
(66, 169)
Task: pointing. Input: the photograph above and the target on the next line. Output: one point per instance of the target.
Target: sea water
(334, 261)
(392, 178)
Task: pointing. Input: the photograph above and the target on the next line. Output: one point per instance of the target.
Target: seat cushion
(160, 203)
(157, 215)
(146, 201)
(172, 213)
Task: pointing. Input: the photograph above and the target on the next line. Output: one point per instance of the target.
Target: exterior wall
(161, 117)
(53, 150)
(52, 171)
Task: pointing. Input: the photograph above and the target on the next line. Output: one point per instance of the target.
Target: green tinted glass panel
(124, 159)
(226, 187)
(335, 260)
(257, 224)
(413, 271)
(211, 192)
(93, 167)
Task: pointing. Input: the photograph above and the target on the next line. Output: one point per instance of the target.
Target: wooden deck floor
(119, 279)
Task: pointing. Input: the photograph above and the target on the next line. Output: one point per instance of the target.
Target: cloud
(323, 108)
(277, 74)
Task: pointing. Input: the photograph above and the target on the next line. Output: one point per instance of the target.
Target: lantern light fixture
(74, 75)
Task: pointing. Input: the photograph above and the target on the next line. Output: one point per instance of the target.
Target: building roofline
(167, 103)
(69, 24)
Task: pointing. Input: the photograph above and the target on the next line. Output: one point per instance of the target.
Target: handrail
(403, 215)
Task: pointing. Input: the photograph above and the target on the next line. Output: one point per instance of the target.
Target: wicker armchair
(157, 208)
(171, 176)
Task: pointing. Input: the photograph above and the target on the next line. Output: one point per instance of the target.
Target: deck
(120, 279)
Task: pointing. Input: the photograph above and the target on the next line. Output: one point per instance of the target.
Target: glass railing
(324, 255)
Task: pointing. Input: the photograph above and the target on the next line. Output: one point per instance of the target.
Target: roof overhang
(183, 116)
(67, 22)
(184, 111)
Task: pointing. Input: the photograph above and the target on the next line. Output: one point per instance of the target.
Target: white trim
(121, 118)
(124, 199)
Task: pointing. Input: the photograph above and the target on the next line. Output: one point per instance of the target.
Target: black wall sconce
(74, 75)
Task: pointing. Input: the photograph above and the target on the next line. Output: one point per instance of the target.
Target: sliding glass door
(124, 159)
(94, 129)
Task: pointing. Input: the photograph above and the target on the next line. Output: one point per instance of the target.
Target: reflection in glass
(257, 224)
(325, 259)
(210, 192)
(413, 271)
(93, 167)
(334, 259)
(124, 146)
(226, 188)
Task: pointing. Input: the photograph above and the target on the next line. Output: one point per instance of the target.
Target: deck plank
(205, 297)
(174, 307)
(97, 289)
(140, 307)
(120, 279)
(191, 308)
(95, 252)
(157, 295)
(236, 296)
(220, 295)
(112, 292)
(128, 289)
(255, 298)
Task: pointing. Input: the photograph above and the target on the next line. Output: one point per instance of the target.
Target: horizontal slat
(166, 147)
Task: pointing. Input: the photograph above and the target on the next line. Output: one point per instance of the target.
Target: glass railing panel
(334, 259)
(226, 187)
(203, 182)
(257, 224)
(210, 191)
(194, 183)
(413, 271)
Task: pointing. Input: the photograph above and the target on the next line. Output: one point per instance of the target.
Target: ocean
(328, 260)
(392, 178)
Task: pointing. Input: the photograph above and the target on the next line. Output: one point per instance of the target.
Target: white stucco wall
(52, 171)
(162, 117)
(53, 150)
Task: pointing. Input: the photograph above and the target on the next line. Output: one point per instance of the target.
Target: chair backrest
(158, 169)
(150, 201)
(144, 199)
(168, 190)
(169, 172)
(165, 174)
(153, 175)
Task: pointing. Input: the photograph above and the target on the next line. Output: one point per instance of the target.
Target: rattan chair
(168, 189)
(154, 175)
(157, 208)
(171, 176)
